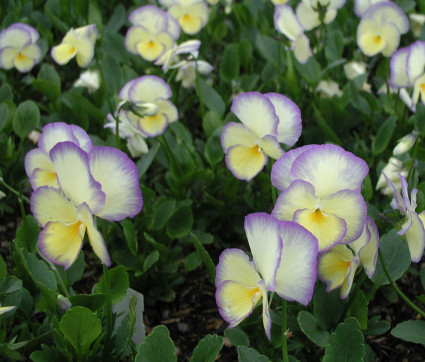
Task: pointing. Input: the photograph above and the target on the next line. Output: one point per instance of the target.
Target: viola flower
(286, 22)
(328, 89)
(308, 12)
(405, 143)
(168, 58)
(266, 120)
(192, 15)
(187, 71)
(103, 182)
(279, 2)
(78, 43)
(89, 79)
(18, 47)
(338, 266)
(320, 187)
(413, 225)
(38, 165)
(136, 143)
(354, 69)
(153, 32)
(380, 29)
(284, 261)
(155, 92)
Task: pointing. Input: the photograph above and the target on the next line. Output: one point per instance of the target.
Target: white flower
(328, 88)
(392, 170)
(89, 79)
(187, 71)
(405, 143)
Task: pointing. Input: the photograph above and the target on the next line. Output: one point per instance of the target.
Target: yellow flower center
(151, 44)
(255, 151)
(317, 217)
(20, 56)
(377, 39)
(422, 87)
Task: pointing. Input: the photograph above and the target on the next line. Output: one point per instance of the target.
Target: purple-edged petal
(173, 27)
(151, 17)
(281, 170)
(49, 204)
(357, 245)
(299, 195)
(18, 36)
(120, 182)
(41, 177)
(54, 133)
(262, 231)
(134, 36)
(415, 61)
(398, 69)
(388, 12)
(329, 168)
(82, 137)
(267, 320)
(237, 134)
(289, 128)
(369, 253)
(36, 158)
(152, 126)
(287, 22)
(245, 162)
(167, 108)
(7, 57)
(74, 177)
(95, 237)
(235, 265)
(124, 90)
(397, 202)
(415, 237)
(270, 146)
(350, 206)
(296, 275)
(149, 88)
(61, 243)
(256, 112)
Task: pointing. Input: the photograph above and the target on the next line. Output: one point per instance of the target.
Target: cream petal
(369, 38)
(49, 204)
(329, 168)
(200, 10)
(150, 50)
(167, 108)
(148, 89)
(388, 13)
(287, 22)
(95, 237)
(61, 243)
(37, 158)
(32, 51)
(302, 50)
(7, 57)
(135, 35)
(18, 36)
(256, 112)
(369, 252)
(23, 63)
(270, 146)
(54, 133)
(237, 134)
(350, 206)
(190, 24)
(398, 68)
(82, 137)
(296, 275)
(85, 52)
(299, 195)
(153, 18)
(119, 178)
(415, 62)
(392, 39)
(63, 53)
(41, 177)
(415, 237)
(152, 126)
(262, 231)
(74, 177)
(245, 162)
(308, 18)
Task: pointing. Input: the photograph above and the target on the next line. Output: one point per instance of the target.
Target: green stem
(415, 152)
(108, 311)
(24, 221)
(13, 191)
(285, 330)
(397, 289)
(198, 87)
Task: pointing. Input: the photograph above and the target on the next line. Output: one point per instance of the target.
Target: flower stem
(397, 289)
(284, 331)
(108, 314)
(415, 151)
(13, 191)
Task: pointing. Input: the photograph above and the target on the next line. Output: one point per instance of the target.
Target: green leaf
(11, 285)
(383, 136)
(180, 223)
(48, 82)
(229, 65)
(206, 259)
(119, 283)
(269, 48)
(308, 324)
(419, 117)
(376, 327)
(334, 46)
(207, 349)
(112, 71)
(80, 327)
(346, 344)
(3, 270)
(91, 301)
(327, 131)
(213, 151)
(157, 347)
(117, 20)
(146, 160)
(26, 118)
(210, 122)
(410, 331)
(130, 235)
(327, 317)
(246, 354)
(161, 248)
(163, 210)
(6, 92)
(41, 273)
(150, 260)
(310, 71)
(237, 336)
(75, 272)
(192, 261)
(27, 234)
(358, 309)
(211, 98)
(396, 256)
(95, 15)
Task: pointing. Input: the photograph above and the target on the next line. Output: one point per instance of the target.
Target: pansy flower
(18, 47)
(78, 43)
(361, 6)
(286, 22)
(413, 224)
(192, 15)
(284, 261)
(153, 32)
(392, 170)
(266, 120)
(308, 12)
(102, 182)
(380, 29)
(338, 266)
(38, 165)
(168, 58)
(320, 187)
(155, 92)
(187, 71)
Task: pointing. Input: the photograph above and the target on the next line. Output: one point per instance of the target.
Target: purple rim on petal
(54, 133)
(83, 138)
(419, 46)
(373, 12)
(393, 69)
(139, 82)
